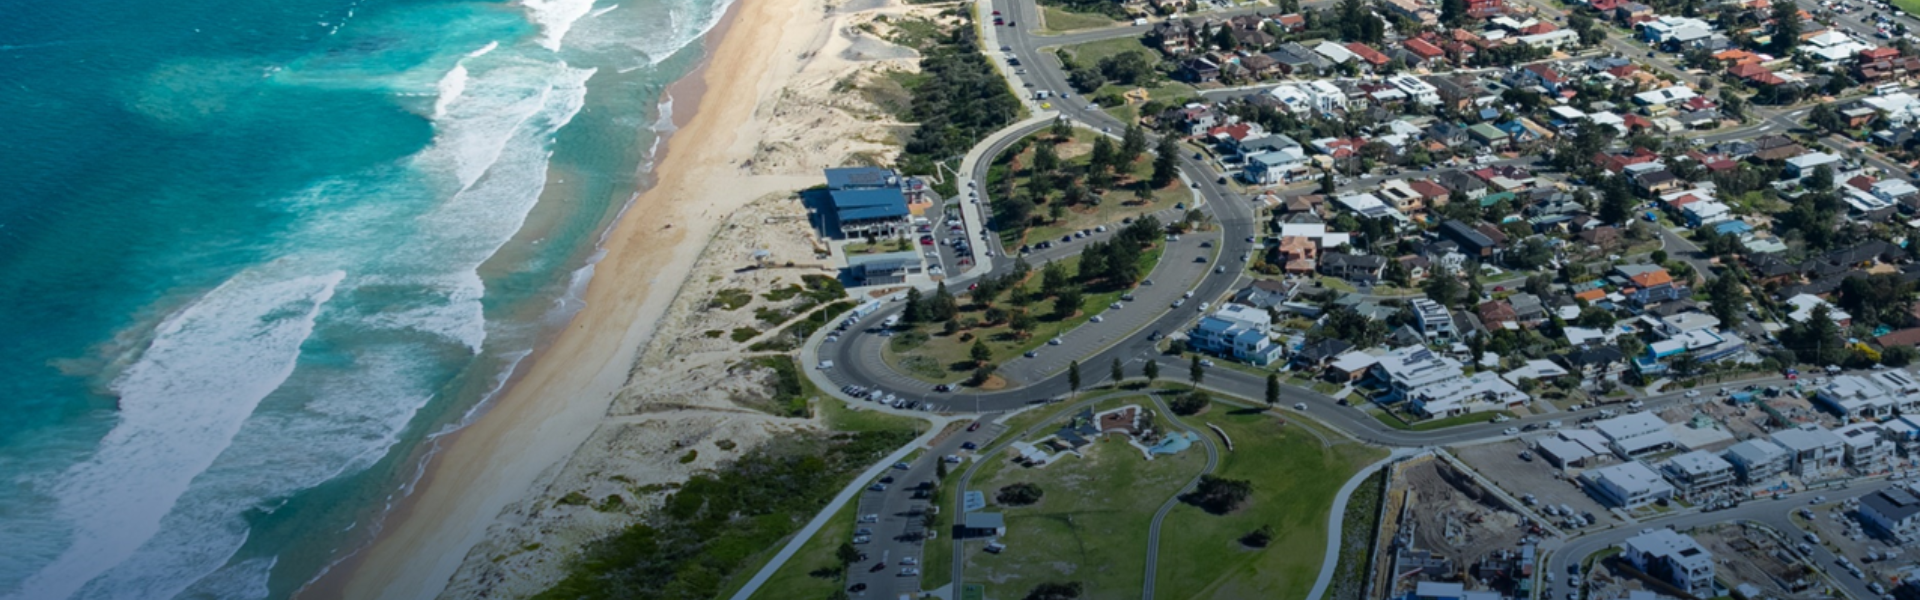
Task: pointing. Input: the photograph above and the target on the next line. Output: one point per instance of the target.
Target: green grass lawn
(1430, 424)
(943, 358)
(1911, 6)
(1091, 525)
(1295, 477)
(1116, 204)
(1061, 20)
(1090, 53)
(814, 571)
(841, 417)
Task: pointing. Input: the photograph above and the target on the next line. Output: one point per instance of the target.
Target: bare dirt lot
(1448, 513)
(1501, 464)
(1751, 555)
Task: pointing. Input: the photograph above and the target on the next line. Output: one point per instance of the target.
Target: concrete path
(1153, 531)
(1338, 517)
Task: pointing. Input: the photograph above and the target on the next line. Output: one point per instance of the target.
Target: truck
(861, 312)
(1139, 21)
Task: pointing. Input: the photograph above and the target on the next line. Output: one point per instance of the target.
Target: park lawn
(841, 417)
(1091, 524)
(954, 356)
(1295, 476)
(1091, 53)
(1059, 20)
(1432, 424)
(1116, 204)
(1911, 6)
(796, 579)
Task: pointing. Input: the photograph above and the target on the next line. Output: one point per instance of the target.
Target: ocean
(256, 257)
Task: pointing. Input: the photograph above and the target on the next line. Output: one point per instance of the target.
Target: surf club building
(860, 202)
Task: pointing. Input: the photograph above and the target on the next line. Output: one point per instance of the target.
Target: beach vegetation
(790, 393)
(574, 498)
(742, 334)
(732, 299)
(722, 522)
(1057, 20)
(690, 456)
(960, 100)
(1019, 494)
(714, 333)
(791, 337)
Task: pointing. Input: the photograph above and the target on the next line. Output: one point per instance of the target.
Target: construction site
(1441, 524)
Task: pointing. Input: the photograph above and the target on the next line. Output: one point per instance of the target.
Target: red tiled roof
(1878, 53)
(1367, 53)
(1237, 131)
(1423, 49)
(1428, 189)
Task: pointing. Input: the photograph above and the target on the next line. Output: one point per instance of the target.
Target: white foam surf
(181, 404)
(555, 18)
(449, 89)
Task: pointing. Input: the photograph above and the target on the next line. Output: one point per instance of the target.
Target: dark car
(944, 387)
(1155, 336)
(974, 427)
(878, 567)
(887, 479)
(969, 446)
(857, 588)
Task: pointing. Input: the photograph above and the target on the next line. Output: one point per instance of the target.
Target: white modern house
(1758, 460)
(1627, 485)
(1673, 558)
(1238, 332)
(1813, 450)
(1698, 472)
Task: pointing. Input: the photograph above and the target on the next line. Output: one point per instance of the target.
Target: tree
(1129, 68)
(1132, 144)
(1055, 591)
(1453, 12)
(1054, 278)
(1151, 371)
(1533, 253)
(1195, 371)
(939, 470)
(1327, 186)
(1898, 356)
(1045, 160)
(1786, 27)
(1119, 373)
(943, 306)
(1165, 165)
(1086, 80)
(1061, 128)
(1273, 389)
(1824, 117)
(916, 307)
(1219, 495)
(1444, 288)
(980, 352)
(847, 554)
(1067, 302)
(1344, 323)
(1258, 538)
(1103, 157)
(1821, 179)
(1019, 494)
(1616, 201)
(1073, 376)
(1732, 104)
(1190, 403)
(1022, 323)
(1539, 285)
(1727, 300)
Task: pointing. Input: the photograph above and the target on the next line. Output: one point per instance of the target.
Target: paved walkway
(1331, 564)
(1153, 531)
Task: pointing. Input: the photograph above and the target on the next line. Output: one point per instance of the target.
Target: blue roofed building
(863, 202)
(1236, 332)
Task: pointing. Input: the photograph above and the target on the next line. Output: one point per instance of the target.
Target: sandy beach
(765, 120)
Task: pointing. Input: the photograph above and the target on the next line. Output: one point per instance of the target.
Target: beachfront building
(1758, 460)
(1812, 450)
(1480, 392)
(1674, 558)
(1436, 324)
(860, 202)
(1698, 472)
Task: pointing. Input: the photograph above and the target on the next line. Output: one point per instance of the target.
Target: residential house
(1674, 558)
(1315, 356)
(1266, 293)
(1626, 485)
(1812, 451)
(1352, 267)
(1698, 473)
(1238, 332)
(1436, 324)
(1758, 460)
(1472, 241)
(1597, 367)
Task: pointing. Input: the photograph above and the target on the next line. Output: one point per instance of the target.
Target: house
(1199, 69)
(1298, 254)
(1626, 485)
(1597, 367)
(1436, 324)
(1352, 267)
(1483, 9)
(1675, 31)
(1400, 194)
(1274, 167)
(1812, 451)
(1527, 308)
(1465, 183)
(1676, 559)
(1804, 165)
(1315, 356)
(1894, 512)
(1423, 49)
(1866, 449)
(1803, 306)
(1489, 136)
(1368, 55)
(1698, 472)
(1406, 370)
(1480, 392)
(1266, 293)
(1420, 92)
(1471, 240)
(1414, 11)
(1238, 332)
(1336, 53)
(1653, 286)
(1572, 448)
(1758, 460)
(1497, 314)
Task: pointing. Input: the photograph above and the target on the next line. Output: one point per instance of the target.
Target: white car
(1511, 431)
(1693, 393)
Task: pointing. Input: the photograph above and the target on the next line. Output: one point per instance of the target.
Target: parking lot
(891, 532)
(1835, 526)
(1501, 463)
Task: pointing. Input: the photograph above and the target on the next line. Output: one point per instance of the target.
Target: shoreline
(558, 394)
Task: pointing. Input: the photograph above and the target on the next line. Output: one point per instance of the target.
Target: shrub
(1219, 495)
(690, 456)
(1258, 538)
(1018, 494)
(1055, 591)
(1190, 403)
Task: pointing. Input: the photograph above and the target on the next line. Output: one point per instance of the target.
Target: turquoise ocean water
(256, 256)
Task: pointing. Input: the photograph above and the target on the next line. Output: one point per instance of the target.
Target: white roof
(1630, 426)
(1535, 369)
(1482, 389)
(1334, 52)
(1633, 477)
(1757, 451)
(1681, 549)
(1812, 437)
(1354, 361)
(1812, 159)
(1698, 462)
(1804, 304)
(1678, 93)
(1416, 366)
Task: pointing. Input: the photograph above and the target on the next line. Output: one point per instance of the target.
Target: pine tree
(980, 352)
(916, 308)
(1165, 165)
(1273, 389)
(1195, 372)
(1073, 376)
(1151, 371)
(1132, 144)
(1119, 373)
